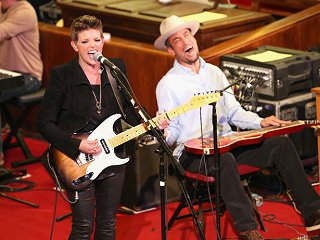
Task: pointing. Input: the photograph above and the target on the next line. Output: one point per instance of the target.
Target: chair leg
(182, 204)
(15, 132)
(176, 212)
(201, 220)
(30, 160)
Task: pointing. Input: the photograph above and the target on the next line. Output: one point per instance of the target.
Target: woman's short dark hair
(83, 23)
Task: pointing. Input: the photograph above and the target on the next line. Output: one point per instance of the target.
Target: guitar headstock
(200, 100)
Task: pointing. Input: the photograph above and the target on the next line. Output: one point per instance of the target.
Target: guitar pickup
(104, 146)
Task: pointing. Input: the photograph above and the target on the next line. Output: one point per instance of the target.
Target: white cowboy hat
(170, 26)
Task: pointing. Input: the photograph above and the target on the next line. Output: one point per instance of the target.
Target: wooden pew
(282, 8)
(299, 31)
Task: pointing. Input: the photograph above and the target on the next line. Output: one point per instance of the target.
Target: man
(19, 48)
(190, 75)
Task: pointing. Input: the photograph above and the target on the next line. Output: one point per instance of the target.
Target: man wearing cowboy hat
(191, 75)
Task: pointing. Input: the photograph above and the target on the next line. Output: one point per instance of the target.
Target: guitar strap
(115, 90)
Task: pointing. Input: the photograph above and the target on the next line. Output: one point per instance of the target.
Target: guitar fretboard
(196, 102)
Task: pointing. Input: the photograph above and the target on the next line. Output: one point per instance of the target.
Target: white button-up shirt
(180, 84)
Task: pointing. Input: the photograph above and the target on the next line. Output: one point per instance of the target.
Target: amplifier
(141, 189)
(275, 72)
(296, 107)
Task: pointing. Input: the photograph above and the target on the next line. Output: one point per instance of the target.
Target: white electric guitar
(80, 172)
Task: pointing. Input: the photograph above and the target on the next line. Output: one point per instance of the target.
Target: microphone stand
(216, 166)
(164, 148)
(217, 156)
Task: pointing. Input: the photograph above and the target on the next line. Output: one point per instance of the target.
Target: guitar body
(80, 172)
(205, 146)
(67, 169)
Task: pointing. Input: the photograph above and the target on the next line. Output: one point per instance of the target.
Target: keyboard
(9, 80)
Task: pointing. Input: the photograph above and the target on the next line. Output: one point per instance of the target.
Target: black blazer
(67, 104)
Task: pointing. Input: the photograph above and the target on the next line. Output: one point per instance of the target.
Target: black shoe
(313, 222)
(251, 235)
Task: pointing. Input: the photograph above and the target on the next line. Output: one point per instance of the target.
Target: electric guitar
(80, 172)
(202, 146)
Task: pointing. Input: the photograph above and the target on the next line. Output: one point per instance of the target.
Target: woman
(78, 98)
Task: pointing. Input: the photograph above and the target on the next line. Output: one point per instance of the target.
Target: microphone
(234, 73)
(240, 78)
(99, 58)
(246, 89)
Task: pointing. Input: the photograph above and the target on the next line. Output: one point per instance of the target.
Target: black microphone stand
(216, 166)
(217, 155)
(164, 148)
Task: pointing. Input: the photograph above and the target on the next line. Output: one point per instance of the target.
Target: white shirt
(180, 84)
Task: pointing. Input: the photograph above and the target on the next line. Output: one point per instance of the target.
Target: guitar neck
(144, 127)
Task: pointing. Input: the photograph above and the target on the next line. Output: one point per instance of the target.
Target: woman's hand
(273, 121)
(90, 146)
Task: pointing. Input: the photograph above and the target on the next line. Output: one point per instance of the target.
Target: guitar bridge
(82, 179)
(87, 158)
(206, 151)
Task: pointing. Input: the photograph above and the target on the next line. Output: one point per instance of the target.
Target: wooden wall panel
(147, 65)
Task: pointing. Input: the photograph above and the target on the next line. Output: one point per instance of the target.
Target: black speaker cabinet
(141, 189)
(300, 106)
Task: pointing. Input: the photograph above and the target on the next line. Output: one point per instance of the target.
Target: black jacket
(67, 105)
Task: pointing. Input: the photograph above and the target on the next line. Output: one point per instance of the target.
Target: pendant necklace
(98, 103)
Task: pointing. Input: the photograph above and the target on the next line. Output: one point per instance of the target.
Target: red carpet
(20, 221)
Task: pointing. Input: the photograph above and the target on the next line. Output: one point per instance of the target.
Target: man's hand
(163, 123)
(273, 121)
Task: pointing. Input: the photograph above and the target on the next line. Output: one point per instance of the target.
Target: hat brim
(159, 43)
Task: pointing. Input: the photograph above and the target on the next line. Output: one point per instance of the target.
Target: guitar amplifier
(141, 190)
(275, 72)
(297, 107)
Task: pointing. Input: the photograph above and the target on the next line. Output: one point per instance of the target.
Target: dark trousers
(31, 84)
(97, 203)
(278, 152)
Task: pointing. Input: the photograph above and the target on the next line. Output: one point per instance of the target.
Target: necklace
(98, 103)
